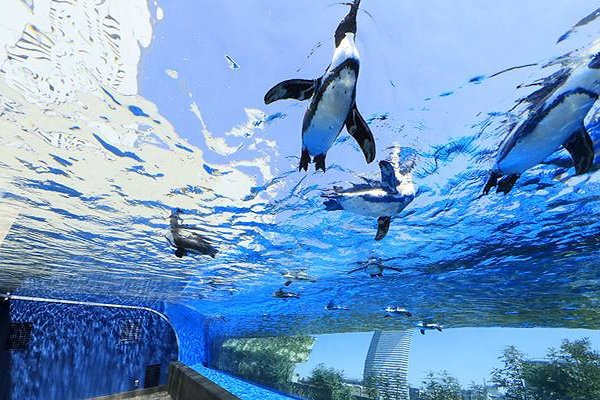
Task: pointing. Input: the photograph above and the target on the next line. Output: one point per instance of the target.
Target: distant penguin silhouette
(383, 201)
(429, 327)
(558, 111)
(184, 241)
(331, 306)
(299, 275)
(374, 267)
(281, 294)
(397, 311)
(333, 103)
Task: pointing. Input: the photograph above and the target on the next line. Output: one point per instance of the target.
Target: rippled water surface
(112, 115)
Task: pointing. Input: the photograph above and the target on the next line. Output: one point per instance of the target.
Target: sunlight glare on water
(113, 115)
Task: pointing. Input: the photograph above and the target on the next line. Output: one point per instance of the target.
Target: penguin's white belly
(330, 113)
(373, 269)
(554, 130)
(385, 204)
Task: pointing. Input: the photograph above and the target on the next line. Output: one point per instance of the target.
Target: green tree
(571, 372)
(371, 383)
(511, 377)
(478, 392)
(441, 386)
(384, 387)
(328, 384)
(269, 361)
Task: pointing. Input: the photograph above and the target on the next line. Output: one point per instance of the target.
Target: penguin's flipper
(383, 226)
(299, 89)
(389, 181)
(394, 269)
(581, 148)
(355, 270)
(288, 283)
(360, 131)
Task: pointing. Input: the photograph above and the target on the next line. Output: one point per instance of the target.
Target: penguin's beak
(348, 24)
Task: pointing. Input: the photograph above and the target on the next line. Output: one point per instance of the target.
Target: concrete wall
(78, 351)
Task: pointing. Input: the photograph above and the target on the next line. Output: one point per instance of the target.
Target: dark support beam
(5, 362)
(186, 384)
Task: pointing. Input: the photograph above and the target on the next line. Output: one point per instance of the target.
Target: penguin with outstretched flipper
(333, 100)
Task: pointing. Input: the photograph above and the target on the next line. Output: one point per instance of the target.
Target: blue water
(92, 169)
(238, 387)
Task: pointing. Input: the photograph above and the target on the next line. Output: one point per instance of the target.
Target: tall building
(386, 365)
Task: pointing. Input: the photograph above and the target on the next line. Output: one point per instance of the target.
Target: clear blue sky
(469, 354)
(344, 351)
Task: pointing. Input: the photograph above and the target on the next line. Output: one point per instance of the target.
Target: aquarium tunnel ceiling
(144, 158)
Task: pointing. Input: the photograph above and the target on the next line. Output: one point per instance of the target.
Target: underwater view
(265, 199)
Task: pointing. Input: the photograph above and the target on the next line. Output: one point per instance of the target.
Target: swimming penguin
(374, 267)
(333, 103)
(185, 242)
(331, 306)
(299, 275)
(429, 327)
(397, 311)
(557, 115)
(383, 201)
(281, 294)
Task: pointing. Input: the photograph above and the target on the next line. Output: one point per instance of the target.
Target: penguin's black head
(348, 24)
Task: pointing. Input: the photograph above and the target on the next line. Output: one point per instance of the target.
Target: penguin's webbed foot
(491, 182)
(320, 162)
(383, 226)
(180, 252)
(304, 160)
(422, 331)
(506, 184)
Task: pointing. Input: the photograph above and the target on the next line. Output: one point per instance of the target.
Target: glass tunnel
(305, 199)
